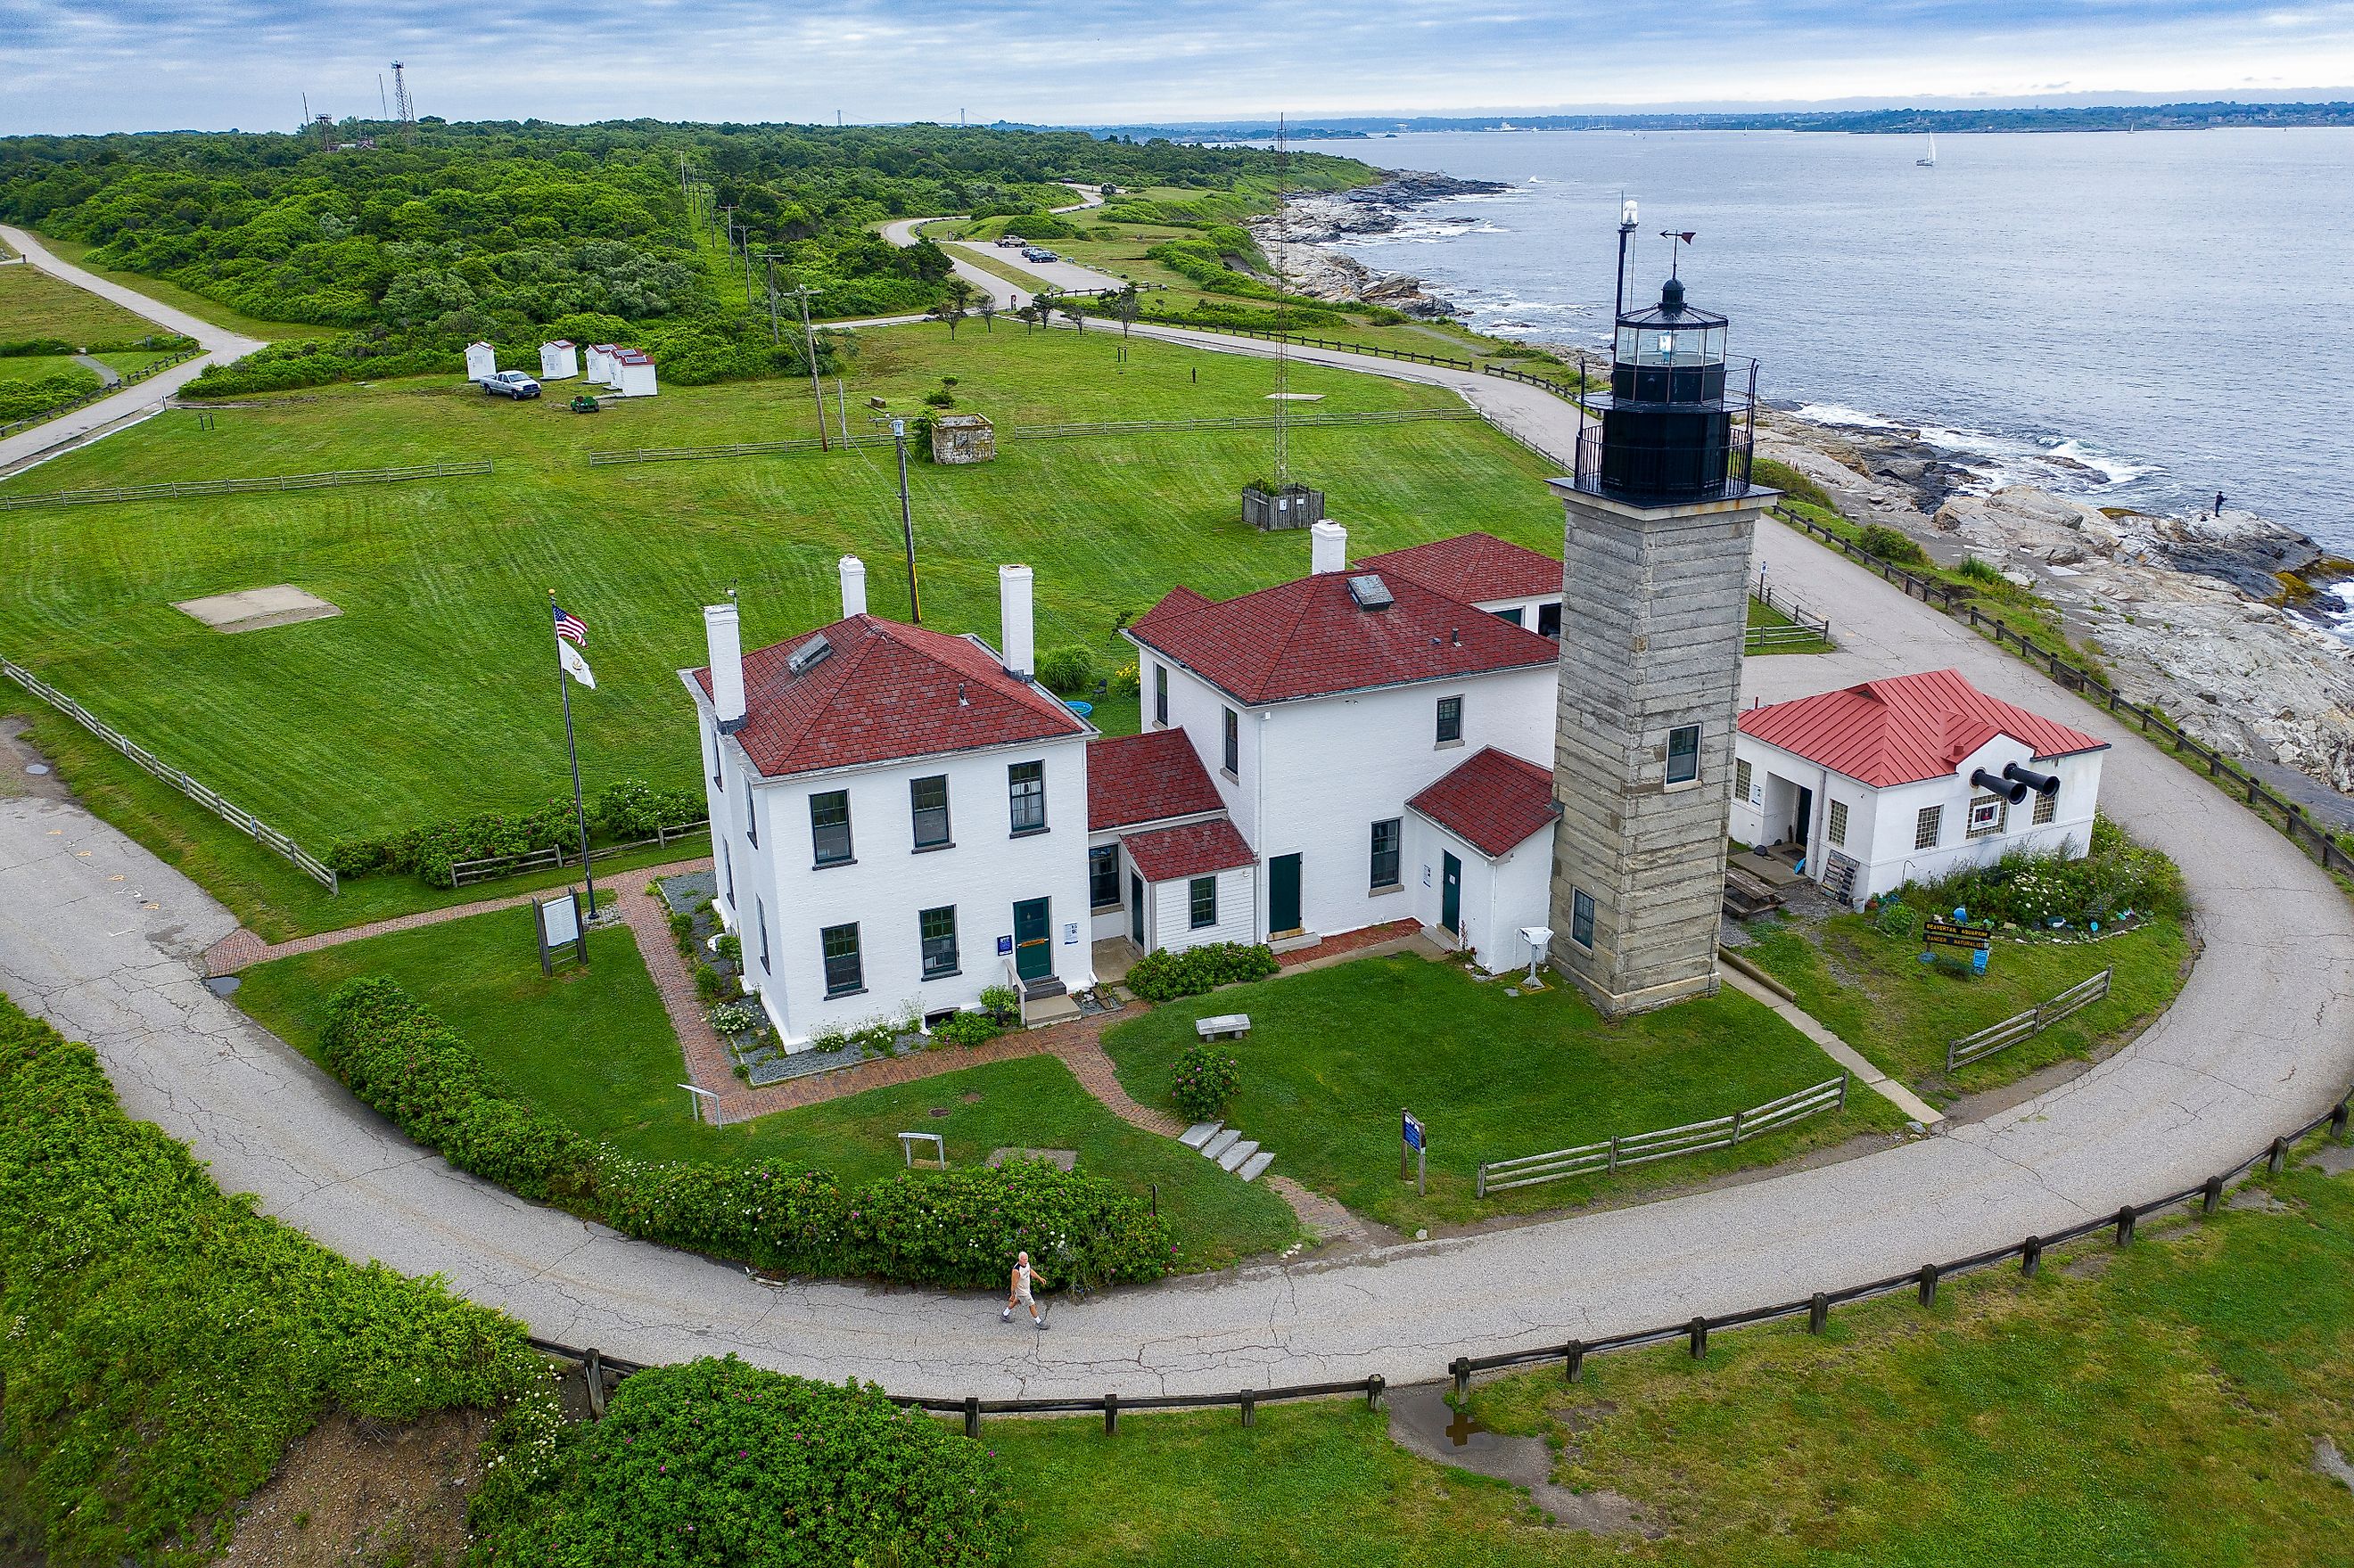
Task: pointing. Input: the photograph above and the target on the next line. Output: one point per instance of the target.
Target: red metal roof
(1907, 728)
(1137, 779)
(1492, 800)
(1308, 639)
(886, 691)
(1476, 568)
(1197, 848)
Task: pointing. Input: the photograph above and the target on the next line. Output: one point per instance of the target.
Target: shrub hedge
(958, 1228)
(1165, 975)
(718, 1463)
(2115, 874)
(165, 1343)
(620, 813)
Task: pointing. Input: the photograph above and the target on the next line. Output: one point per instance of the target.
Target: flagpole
(580, 812)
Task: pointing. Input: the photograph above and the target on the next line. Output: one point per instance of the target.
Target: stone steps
(1227, 1146)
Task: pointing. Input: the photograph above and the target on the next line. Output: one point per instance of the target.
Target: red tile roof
(1492, 801)
(1197, 848)
(1907, 728)
(886, 691)
(1137, 779)
(1308, 639)
(1476, 568)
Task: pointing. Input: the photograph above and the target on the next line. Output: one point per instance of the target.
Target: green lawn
(1333, 1055)
(2162, 1413)
(1763, 614)
(594, 1048)
(34, 304)
(77, 253)
(433, 692)
(1872, 992)
(40, 366)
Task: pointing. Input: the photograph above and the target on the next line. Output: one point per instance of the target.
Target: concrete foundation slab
(251, 610)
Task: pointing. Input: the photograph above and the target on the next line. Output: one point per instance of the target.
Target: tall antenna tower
(1282, 311)
(404, 110)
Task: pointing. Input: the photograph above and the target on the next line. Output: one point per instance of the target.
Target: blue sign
(1004, 946)
(1412, 1131)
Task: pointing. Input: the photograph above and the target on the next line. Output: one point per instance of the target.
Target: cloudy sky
(97, 65)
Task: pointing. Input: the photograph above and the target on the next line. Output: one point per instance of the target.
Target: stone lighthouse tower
(1655, 569)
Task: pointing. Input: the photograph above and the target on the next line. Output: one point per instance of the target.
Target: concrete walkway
(2261, 1038)
(93, 420)
(1837, 1049)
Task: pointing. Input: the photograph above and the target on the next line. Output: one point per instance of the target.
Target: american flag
(571, 627)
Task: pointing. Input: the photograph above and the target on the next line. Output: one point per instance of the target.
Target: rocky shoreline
(2208, 618)
(1312, 221)
(2217, 620)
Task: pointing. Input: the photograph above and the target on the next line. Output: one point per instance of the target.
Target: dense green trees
(510, 231)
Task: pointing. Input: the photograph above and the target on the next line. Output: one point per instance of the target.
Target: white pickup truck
(510, 384)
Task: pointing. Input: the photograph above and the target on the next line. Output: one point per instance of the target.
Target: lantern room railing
(1678, 449)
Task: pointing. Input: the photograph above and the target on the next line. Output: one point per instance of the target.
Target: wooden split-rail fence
(236, 816)
(465, 873)
(1667, 1143)
(2026, 1026)
(176, 488)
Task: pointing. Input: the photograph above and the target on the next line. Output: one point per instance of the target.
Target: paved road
(48, 438)
(2259, 1040)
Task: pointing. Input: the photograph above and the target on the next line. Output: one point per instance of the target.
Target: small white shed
(481, 362)
(633, 373)
(600, 364)
(558, 361)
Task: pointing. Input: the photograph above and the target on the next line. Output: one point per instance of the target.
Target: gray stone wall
(1654, 603)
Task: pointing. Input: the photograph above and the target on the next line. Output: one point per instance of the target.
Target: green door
(1450, 893)
(1034, 952)
(1283, 894)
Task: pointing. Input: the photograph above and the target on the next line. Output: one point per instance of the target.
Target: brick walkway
(1338, 947)
(242, 949)
(708, 1064)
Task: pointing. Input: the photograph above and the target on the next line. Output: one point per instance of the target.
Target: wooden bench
(1236, 1024)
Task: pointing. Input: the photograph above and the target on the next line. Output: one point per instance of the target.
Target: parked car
(510, 384)
(1014, 240)
(1039, 253)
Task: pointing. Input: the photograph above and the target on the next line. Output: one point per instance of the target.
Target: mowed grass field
(77, 253)
(433, 691)
(34, 304)
(593, 1048)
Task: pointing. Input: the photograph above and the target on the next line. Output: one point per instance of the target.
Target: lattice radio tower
(403, 107)
(1283, 311)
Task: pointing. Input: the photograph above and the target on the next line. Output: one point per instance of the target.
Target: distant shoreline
(2220, 114)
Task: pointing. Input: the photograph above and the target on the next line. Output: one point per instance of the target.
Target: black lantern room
(1670, 434)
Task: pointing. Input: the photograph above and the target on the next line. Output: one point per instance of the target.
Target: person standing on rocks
(2219, 506)
(1023, 1277)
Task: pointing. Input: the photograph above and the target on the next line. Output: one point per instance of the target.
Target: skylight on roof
(809, 655)
(1370, 592)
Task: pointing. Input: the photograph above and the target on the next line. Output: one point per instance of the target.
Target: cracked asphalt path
(106, 942)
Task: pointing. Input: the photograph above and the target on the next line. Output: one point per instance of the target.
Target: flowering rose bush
(1203, 1082)
(955, 1228)
(720, 1462)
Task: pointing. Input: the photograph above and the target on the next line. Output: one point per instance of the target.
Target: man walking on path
(1023, 1276)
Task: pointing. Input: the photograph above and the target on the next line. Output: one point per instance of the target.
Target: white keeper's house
(900, 816)
(1909, 778)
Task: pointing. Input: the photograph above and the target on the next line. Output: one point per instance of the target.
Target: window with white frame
(1988, 815)
(1835, 822)
(1204, 899)
(1683, 754)
(2047, 807)
(1927, 826)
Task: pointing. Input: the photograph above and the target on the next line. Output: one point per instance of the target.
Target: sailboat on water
(1931, 161)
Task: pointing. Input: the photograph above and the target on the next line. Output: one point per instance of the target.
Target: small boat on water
(1931, 161)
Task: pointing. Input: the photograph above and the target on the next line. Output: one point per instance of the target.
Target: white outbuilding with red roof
(1907, 780)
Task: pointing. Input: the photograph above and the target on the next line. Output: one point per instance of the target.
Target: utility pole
(773, 338)
(907, 522)
(816, 388)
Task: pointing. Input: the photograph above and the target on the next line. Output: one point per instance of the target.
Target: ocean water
(2139, 320)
